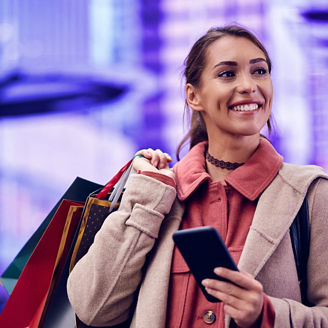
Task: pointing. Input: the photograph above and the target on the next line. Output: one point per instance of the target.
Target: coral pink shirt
(230, 209)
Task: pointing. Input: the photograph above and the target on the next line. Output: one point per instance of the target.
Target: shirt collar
(257, 173)
(190, 171)
(249, 179)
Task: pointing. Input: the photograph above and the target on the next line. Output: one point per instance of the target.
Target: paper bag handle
(110, 185)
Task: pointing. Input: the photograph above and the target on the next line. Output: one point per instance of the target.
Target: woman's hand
(154, 161)
(243, 300)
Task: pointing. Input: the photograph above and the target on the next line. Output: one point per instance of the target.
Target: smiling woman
(231, 179)
(234, 97)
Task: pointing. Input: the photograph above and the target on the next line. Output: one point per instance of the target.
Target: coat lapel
(271, 222)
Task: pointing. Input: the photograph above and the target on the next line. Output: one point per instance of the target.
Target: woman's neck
(230, 150)
(233, 149)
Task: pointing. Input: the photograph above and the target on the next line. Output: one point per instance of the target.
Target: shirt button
(209, 317)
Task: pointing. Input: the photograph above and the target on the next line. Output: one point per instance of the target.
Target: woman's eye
(227, 74)
(260, 71)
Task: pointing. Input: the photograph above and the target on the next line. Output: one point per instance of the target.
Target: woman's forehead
(232, 48)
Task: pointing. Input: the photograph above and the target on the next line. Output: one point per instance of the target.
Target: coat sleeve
(102, 286)
(290, 313)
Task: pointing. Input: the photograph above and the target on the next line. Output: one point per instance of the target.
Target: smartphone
(203, 250)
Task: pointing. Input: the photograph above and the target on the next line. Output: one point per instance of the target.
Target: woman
(232, 179)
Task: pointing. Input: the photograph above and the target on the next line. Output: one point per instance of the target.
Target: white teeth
(245, 108)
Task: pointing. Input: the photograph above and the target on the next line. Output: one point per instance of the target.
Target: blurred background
(86, 83)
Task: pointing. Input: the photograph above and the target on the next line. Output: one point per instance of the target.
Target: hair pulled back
(194, 65)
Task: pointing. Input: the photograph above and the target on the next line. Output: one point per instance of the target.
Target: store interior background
(85, 84)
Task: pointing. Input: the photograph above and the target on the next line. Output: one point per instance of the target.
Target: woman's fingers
(143, 153)
(150, 159)
(157, 156)
(225, 291)
(163, 159)
(240, 278)
(241, 293)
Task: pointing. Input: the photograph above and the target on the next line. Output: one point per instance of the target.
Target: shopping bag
(30, 293)
(78, 191)
(32, 275)
(39, 295)
(97, 208)
(59, 312)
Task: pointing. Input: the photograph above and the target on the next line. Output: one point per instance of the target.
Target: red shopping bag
(28, 299)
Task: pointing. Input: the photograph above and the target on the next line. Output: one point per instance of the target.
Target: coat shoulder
(300, 177)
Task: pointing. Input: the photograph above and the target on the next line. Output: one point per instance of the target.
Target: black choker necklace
(222, 164)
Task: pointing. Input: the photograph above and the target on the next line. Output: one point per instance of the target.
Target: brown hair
(194, 65)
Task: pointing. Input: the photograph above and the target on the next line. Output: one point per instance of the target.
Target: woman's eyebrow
(233, 63)
(226, 63)
(256, 60)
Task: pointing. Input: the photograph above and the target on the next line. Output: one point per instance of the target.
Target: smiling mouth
(245, 107)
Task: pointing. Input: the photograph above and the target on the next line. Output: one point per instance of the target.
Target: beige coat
(103, 287)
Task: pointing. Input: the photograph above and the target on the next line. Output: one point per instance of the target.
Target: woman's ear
(193, 98)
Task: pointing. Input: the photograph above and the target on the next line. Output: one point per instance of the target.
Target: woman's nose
(246, 84)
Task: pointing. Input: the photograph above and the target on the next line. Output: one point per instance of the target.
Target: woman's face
(235, 92)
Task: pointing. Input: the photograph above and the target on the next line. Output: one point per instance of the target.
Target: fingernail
(218, 271)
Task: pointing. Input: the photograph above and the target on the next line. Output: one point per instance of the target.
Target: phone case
(203, 250)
